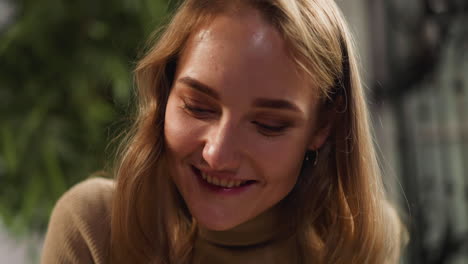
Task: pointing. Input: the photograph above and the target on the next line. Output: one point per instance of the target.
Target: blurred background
(66, 90)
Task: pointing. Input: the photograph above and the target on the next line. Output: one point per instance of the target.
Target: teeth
(221, 182)
(215, 181)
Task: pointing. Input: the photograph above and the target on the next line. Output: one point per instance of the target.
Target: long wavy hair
(340, 210)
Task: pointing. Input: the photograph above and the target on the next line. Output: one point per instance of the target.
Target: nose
(221, 150)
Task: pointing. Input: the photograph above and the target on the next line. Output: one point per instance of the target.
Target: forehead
(240, 52)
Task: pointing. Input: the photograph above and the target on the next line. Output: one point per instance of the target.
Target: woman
(251, 145)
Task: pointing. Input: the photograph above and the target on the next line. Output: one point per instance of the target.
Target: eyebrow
(276, 104)
(258, 102)
(199, 86)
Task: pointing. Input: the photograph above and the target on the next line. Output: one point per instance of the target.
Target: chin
(216, 226)
(212, 221)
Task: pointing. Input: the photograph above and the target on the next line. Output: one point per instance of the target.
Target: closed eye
(269, 130)
(197, 111)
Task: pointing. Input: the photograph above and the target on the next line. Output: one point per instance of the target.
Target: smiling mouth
(222, 183)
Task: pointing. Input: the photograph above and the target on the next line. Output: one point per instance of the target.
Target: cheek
(179, 130)
(281, 161)
(284, 171)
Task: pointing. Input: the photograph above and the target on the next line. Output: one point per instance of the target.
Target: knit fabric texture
(79, 232)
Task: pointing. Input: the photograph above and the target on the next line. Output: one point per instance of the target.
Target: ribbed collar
(262, 229)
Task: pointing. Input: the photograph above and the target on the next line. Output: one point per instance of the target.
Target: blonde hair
(343, 215)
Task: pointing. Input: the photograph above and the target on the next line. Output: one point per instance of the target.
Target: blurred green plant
(65, 79)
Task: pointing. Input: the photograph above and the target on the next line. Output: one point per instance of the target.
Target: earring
(316, 157)
(311, 153)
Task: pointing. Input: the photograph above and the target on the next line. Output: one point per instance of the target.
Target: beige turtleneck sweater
(79, 231)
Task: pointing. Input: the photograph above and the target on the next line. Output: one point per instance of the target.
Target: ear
(320, 135)
(324, 124)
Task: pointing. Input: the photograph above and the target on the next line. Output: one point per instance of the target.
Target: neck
(261, 229)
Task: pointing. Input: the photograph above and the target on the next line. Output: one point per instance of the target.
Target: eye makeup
(197, 108)
(267, 122)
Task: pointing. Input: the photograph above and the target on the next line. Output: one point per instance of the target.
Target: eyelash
(266, 130)
(270, 131)
(198, 112)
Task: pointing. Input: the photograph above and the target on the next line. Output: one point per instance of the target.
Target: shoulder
(88, 202)
(90, 197)
(79, 227)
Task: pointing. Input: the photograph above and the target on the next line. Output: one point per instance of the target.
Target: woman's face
(238, 120)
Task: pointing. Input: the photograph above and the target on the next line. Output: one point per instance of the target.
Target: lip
(217, 189)
(220, 175)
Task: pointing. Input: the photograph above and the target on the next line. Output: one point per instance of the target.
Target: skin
(215, 124)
